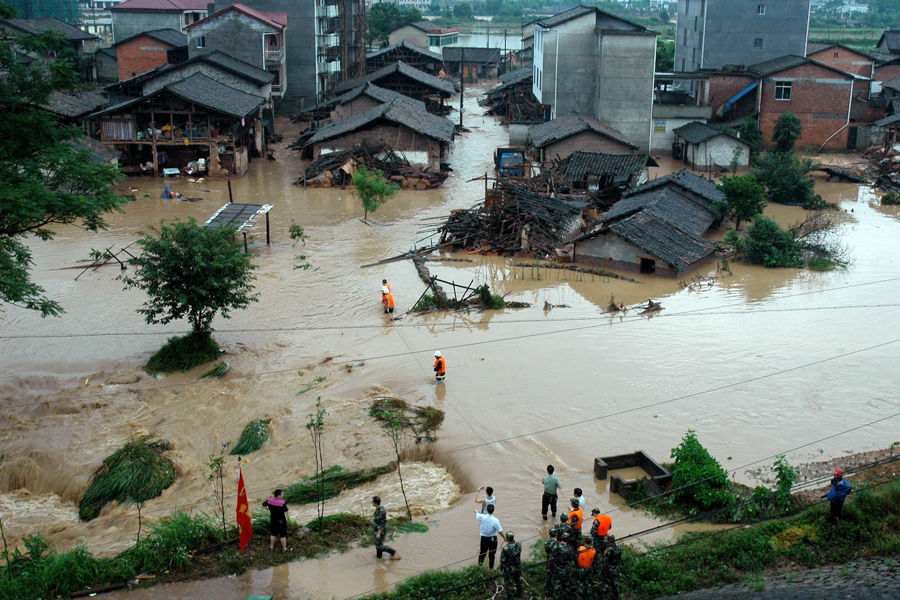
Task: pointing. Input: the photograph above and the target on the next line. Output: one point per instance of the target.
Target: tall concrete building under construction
(712, 34)
(325, 44)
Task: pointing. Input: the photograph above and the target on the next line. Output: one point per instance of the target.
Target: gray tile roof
(580, 165)
(666, 204)
(887, 121)
(893, 84)
(377, 93)
(566, 126)
(580, 11)
(202, 90)
(812, 47)
(424, 25)
(517, 75)
(892, 37)
(442, 86)
(481, 56)
(171, 37)
(38, 26)
(700, 186)
(404, 44)
(697, 133)
(663, 240)
(238, 67)
(395, 111)
(782, 63)
(74, 105)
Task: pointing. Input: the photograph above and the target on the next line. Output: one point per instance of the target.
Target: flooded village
(565, 224)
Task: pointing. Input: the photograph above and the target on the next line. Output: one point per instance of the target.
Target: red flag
(243, 512)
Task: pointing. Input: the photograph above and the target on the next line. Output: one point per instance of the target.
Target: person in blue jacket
(840, 487)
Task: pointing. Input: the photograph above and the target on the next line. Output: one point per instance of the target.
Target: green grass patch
(255, 434)
(404, 525)
(136, 472)
(336, 479)
(423, 420)
(184, 353)
(891, 199)
(819, 263)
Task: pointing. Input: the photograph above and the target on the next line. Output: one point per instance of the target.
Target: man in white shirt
(487, 499)
(490, 528)
(580, 496)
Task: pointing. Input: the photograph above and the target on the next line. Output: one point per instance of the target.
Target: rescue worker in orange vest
(576, 519)
(599, 529)
(440, 367)
(387, 299)
(385, 284)
(585, 573)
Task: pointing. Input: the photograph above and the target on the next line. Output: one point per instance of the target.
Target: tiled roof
(395, 111)
(813, 47)
(443, 86)
(484, 56)
(566, 126)
(74, 105)
(580, 11)
(430, 27)
(887, 120)
(663, 240)
(377, 93)
(893, 84)
(892, 36)
(404, 44)
(579, 165)
(666, 204)
(166, 5)
(697, 133)
(111, 52)
(516, 75)
(237, 66)
(200, 89)
(686, 180)
(176, 39)
(274, 20)
(38, 26)
(788, 61)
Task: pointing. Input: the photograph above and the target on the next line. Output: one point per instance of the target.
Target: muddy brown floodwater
(757, 361)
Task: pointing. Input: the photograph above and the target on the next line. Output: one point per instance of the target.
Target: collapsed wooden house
(513, 100)
(354, 102)
(601, 176)
(336, 168)
(415, 56)
(409, 81)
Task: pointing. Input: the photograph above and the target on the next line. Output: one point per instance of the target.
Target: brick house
(821, 96)
(841, 57)
(132, 17)
(146, 51)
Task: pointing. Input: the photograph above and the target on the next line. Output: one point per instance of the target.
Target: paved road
(875, 579)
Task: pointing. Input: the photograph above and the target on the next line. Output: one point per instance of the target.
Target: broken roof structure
(599, 168)
(402, 78)
(404, 51)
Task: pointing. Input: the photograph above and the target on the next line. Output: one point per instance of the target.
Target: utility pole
(462, 82)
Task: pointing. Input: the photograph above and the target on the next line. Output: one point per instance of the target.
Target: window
(693, 55)
(684, 36)
(682, 65)
(760, 9)
(695, 23)
(835, 54)
(201, 42)
(757, 42)
(783, 90)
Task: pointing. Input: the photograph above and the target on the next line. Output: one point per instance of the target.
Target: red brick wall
(724, 86)
(820, 99)
(887, 72)
(140, 55)
(845, 60)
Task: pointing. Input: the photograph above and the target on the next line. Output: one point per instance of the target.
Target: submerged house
(182, 122)
(562, 136)
(421, 137)
(595, 172)
(472, 63)
(709, 149)
(657, 229)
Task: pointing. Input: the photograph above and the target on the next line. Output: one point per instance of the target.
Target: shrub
(335, 479)
(699, 482)
(255, 434)
(766, 244)
(184, 353)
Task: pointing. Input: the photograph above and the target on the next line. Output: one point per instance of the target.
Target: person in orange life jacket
(576, 519)
(440, 367)
(599, 529)
(585, 573)
(387, 299)
(277, 519)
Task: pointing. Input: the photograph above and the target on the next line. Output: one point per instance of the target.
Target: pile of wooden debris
(336, 168)
(512, 100)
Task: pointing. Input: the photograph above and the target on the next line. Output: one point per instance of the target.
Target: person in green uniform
(551, 487)
(549, 548)
(561, 587)
(609, 572)
(379, 525)
(511, 566)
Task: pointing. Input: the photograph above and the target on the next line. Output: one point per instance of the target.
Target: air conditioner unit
(333, 66)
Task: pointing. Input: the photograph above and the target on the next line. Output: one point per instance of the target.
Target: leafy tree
(746, 197)
(787, 132)
(463, 11)
(215, 474)
(788, 180)
(189, 271)
(393, 429)
(315, 425)
(665, 54)
(383, 18)
(785, 477)
(750, 133)
(45, 177)
(766, 244)
(699, 483)
(373, 189)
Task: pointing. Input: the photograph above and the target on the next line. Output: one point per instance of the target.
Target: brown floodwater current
(757, 361)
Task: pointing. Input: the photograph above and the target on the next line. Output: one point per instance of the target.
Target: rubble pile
(336, 168)
(884, 168)
(513, 100)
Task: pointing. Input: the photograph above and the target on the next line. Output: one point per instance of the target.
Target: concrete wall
(610, 250)
(624, 96)
(586, 141)
(233, 33)
(402, 139)
(663, 135)
(409, 34)
(127, 23)
(718, 151)
(577, 64)
(107, 67)
(140, 55)
(714, 33)
(819, 97)
(223, 77)
(300, 48)
(845, 60)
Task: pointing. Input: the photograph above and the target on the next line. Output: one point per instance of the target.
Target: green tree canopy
(746, 197)
(46, 178)
(750, 133)
(665, 54)
(383, 18)
(787, 179)
(373, 189)
(189, 271)
(787, 132)
(463, 11)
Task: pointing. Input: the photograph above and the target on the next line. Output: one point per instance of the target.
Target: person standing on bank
(551, 487)
(440, 367)
(277, 520)
(511, 566)
(840, 487)
(487, 500)
(576, 520)
(580, 495)
(379, 524)
(490, 528)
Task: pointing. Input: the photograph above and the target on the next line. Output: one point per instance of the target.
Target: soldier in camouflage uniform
(379, 526)
(586, 572)
(598, 541)
(549, 547)
(609, 573)
(511, 566)
(564, 528)
(563, 559)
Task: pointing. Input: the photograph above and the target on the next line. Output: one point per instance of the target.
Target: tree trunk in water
(139, 522)
(402, 490)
